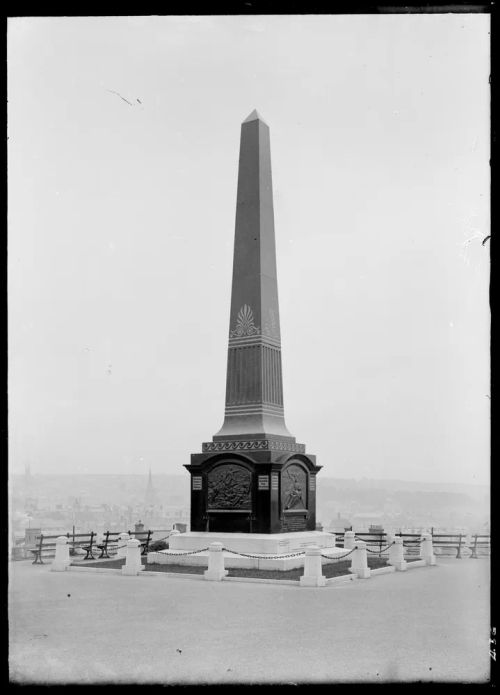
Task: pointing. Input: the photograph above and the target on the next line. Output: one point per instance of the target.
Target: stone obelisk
(254, 386)
(253, 476)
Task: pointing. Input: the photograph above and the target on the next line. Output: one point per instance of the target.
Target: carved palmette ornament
(245, 325)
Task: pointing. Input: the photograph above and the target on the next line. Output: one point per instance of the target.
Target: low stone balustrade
(359, 562)
(133, 564)
(313, 572)
(215, 571)
(396, 556)
(426, 550)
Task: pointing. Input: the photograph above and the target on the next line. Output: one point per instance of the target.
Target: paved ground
(428, 624)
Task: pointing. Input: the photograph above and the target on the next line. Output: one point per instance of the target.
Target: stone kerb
(396, 556)
(123, 538)
(426, 550)
(313, 572)
(215, 571)
(359, 562)
(133, 564)
(62, 560)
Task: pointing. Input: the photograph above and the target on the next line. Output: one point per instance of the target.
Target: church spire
(150, 498)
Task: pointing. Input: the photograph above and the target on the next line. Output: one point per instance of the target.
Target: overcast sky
(121, 228)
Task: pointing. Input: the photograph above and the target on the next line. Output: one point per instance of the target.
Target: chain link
(266, 557)
(187, 552)
(338, 557)
(382, 550)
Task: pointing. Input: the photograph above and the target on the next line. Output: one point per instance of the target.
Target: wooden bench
(85, 541)
(450, 540)
(479, 542)
(412, 546)
(45, 545)
(372, 538)
(144, 537)
(110, 541)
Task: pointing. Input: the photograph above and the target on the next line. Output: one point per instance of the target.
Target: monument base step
(269, 543)
(261, 544)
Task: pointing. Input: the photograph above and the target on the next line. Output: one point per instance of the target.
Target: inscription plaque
(197, 482)
(263, 482)
(274, 482)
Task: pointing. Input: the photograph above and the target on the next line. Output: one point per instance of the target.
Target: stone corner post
(396, 556)
(426, 551)
(359, 563)
(62, 560)
(133, 564)
(215, 571)
(349, 539)
(313, 571)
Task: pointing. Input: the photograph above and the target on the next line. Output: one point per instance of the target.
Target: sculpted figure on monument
(294, 485)
(229, 487)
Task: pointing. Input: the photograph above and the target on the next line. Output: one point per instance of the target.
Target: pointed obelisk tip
(254, 116)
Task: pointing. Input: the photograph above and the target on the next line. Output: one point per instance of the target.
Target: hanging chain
(266, 557)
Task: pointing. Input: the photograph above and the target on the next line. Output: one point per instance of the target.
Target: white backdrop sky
(121, 223)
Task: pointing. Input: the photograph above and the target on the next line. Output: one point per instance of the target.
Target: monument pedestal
(249, 544)
(253, 488)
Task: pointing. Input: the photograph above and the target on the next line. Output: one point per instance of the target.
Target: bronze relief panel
(294, 487)
(229, 487)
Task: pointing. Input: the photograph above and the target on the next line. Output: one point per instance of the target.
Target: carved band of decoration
(260, 444)
(229, 487)
(244, 323)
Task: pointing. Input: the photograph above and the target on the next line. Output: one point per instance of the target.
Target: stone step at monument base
(269, 543)
(248, 543)
(168, 557)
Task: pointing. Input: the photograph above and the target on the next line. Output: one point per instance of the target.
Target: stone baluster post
(426, 551)
(313, 571)
(349, 539)
(359, 563)
(396, 556)
(123, 538)
(215, 571)
(61, 560)
(389, 538)
(133, 564)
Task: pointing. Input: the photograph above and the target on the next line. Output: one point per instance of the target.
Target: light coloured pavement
(427, 624)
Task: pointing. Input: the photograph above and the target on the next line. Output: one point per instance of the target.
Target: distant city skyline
(123, 153)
